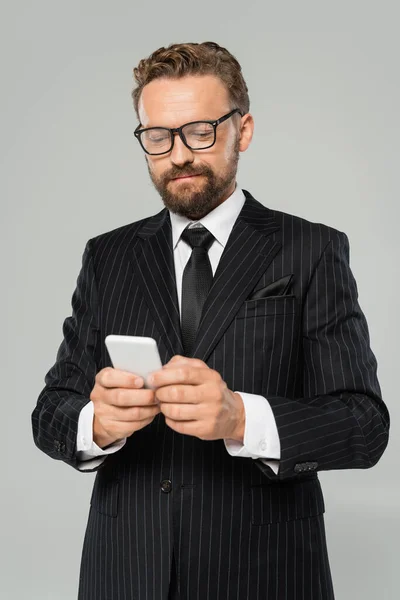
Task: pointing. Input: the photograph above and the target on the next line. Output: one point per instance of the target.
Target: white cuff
(261, 438)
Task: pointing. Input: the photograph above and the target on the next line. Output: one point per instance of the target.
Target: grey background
(324, 89)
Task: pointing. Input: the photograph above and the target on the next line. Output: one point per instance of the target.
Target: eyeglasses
(196, 135)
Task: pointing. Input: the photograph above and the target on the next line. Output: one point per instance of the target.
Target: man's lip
(186, 176)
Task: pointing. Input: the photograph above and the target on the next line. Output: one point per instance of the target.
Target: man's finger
(184, 427)
(185, 409)
(112, 378)
(184, 360)
(183, 374)
(179, 394)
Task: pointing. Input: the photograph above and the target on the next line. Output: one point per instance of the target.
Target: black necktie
(196, 282)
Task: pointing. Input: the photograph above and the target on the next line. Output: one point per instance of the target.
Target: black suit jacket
(237, 530)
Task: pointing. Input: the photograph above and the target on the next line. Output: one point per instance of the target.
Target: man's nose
(181, 154)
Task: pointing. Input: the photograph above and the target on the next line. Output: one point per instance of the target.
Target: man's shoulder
(298, 231)
(293, 226)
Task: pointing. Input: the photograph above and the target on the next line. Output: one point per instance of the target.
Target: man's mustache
(183, 174)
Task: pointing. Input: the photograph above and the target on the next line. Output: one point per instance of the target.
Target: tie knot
(198, 237)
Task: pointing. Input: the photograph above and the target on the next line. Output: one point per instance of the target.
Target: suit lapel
(153, 264)
(247, 254)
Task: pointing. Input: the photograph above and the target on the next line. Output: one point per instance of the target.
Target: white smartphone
(135, 354)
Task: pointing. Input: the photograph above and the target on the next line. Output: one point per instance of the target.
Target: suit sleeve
(341, 422)
(70, 380)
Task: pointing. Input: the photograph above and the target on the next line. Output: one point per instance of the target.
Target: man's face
(174, 102)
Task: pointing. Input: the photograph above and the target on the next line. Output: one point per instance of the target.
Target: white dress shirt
(261, 439)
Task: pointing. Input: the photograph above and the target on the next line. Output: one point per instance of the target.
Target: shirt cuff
(261, 438)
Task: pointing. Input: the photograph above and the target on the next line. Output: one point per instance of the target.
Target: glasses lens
(199, 135)
(156, 140)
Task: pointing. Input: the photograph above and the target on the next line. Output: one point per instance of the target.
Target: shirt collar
(219, 221)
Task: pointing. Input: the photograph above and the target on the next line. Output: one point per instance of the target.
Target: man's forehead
(176, 101)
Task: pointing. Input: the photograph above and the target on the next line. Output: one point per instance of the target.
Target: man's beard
(188, 202)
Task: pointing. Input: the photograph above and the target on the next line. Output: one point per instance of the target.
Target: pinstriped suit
(261, 439)
(237, 529)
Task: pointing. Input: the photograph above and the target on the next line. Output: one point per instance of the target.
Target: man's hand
(121, 405)
(196, 401)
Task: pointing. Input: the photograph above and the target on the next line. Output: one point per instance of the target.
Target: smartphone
(135, 354)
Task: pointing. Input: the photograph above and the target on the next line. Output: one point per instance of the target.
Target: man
(207, 485)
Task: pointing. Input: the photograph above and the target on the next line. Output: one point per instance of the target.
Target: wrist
(238, 434)
(100, 436)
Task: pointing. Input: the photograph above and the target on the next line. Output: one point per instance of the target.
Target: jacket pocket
(288, 501)
(270, 306)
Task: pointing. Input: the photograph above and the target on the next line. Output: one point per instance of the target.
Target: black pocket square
(279, 287)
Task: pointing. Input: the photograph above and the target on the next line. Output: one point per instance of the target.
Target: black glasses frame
(178, 130)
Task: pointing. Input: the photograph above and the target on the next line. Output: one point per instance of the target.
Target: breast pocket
(288, 501)
(270, 306)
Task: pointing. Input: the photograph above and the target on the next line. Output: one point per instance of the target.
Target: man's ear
(246, 132)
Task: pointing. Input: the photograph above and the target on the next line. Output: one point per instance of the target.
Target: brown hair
(178, 60)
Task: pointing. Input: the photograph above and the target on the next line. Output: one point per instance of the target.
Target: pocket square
(279, 287)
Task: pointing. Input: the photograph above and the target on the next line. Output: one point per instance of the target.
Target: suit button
(166, 485)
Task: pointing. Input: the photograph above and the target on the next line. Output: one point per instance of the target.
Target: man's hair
(179, 60)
